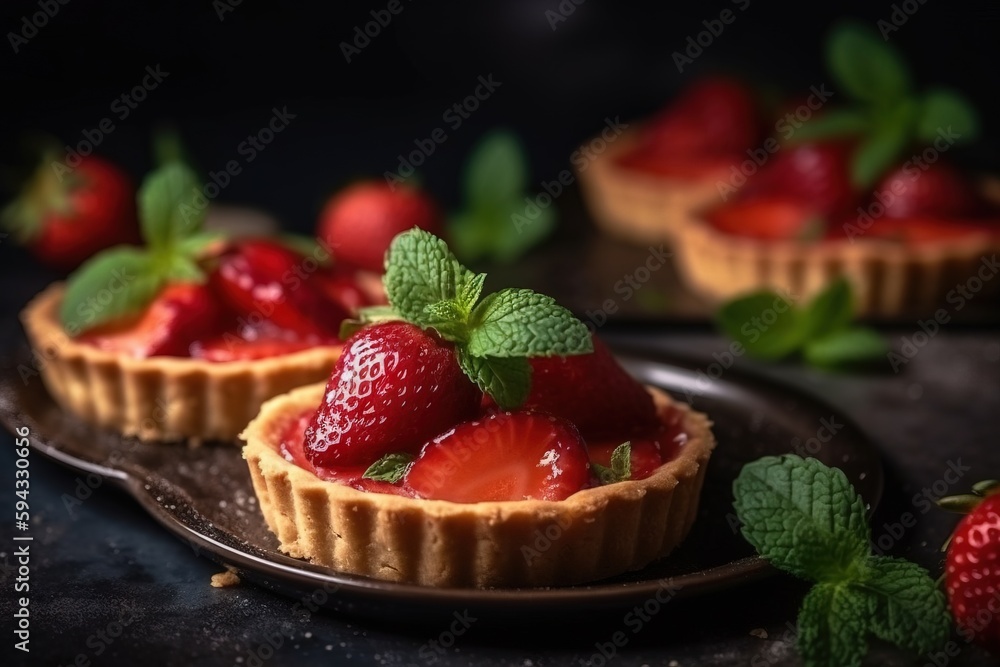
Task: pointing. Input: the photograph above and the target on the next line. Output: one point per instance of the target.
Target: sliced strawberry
(939, 192)
(816, 174)
(394, 388)
(503, 456)
(593, 392)
(926, 230)
(768, 218)
(648, 453)
(178, 316)
(360, 222)
(714, 115)
(234, 348)
(266, 280)
(342, 286)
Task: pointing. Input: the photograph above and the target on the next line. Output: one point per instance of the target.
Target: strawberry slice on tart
(399, 469)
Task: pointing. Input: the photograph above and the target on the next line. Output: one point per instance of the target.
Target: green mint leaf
(865, 66)
(905, 606)
(390, 468)
(114, 283)
(198, 244)
(421, 271)
(946, 111)
(496, 172)
(508, 381)
(449, 319)
(366, 316)
(620, 469)
(829, 311)
(856, 346)
(167, 208)
(522, 323)
(833, 124)
(803, 517)
(881, 148)
(527, 225)
(471, 291)
(832, 627)
(765, 323)
(182, 269)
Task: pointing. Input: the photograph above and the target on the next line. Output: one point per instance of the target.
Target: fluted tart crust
(160, 398)
(593, 534)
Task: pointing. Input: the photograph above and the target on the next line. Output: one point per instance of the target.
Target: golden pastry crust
(638, 206)
(593, 534)
(161, 398)
(888, 277)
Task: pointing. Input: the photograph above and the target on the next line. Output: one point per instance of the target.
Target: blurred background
(561, 68)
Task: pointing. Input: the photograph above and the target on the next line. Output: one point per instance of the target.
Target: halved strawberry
(921, 230)
(816, 174)
(178, 316)
(648, 453)
(713, 115)
(394, 388)
(269, 280)
(939, 192)
(645, 459)
(593, 392)
(503, 456)
(769, 218)
(343, 286)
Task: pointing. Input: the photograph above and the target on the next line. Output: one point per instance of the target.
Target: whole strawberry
(359, 222)
(66, 215)
(394, 388)
(972, 572)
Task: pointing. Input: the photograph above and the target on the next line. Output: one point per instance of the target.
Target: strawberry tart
(186, 338)
(651, 178)
(457, 427)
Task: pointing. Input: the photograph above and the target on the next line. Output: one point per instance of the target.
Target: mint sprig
(620, 469)
(498, 220)
(888, 114)
(807, 519)
(770, 327)
(493, 336)
(123, 280)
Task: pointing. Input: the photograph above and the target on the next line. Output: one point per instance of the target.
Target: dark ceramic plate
(204, 496)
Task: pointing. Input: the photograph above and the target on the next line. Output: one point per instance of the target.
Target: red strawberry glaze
(648, 453)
